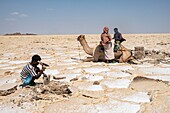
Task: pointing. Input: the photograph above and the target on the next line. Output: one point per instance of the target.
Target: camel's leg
(118, 54)
(125, 56)
(98, 54)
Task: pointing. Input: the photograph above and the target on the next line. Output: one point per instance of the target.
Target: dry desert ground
(85, 87)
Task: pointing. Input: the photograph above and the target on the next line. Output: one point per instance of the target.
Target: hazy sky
(84, 16)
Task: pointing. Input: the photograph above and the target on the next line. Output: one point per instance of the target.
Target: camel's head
(81, 37)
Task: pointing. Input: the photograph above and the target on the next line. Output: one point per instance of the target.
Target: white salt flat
(155, 70)
(4, 60)
(68, 77)
(119, 83)
(117, 74)
(71, 67)
(138, 97)
(76, 70)
(113, 106)
(96, 70)
(46, 57)
(4, 65)
(10, 67)
(8, 80)
(12, 108)
(144, 65)
(163, 78)
(19, 62)
(93, 78)
(34, 53)
(123, 68)
(95, 88)
(164, 65)
(51, 72)
(9, 54)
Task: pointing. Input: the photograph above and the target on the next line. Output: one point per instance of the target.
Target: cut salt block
(7, 89)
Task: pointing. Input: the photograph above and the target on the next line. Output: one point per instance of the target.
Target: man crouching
(30, 72)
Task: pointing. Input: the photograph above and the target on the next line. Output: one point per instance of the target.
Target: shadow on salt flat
(138, 97)
(119, 83)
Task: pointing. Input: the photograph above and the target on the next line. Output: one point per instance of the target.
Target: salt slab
(4, 60)
(113, 106)
(46, 57)
(7, 86)
(8, 54)
(144, 65)
(96, 70)
(76, 70)
(6, 80)
(138, 97)
(116, 74)
(68, 77)
(10, 67)
(93, 78)
(163, 78)
(12, 108)
(4, 65)
(91, 88)
(19, 62)
(95, 91)
(71, 67)
(51, 72)
(155, 70)
(119, 83)
(124, 68)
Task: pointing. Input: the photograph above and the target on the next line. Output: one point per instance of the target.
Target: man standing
(107, 45)
(30, 72)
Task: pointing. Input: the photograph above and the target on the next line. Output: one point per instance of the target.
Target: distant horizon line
(27, 34)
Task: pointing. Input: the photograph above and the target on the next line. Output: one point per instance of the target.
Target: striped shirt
(28, 70)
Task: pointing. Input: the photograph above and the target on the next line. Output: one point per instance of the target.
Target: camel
(122, 55)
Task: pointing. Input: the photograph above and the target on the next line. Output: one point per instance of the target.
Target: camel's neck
(86, 47)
